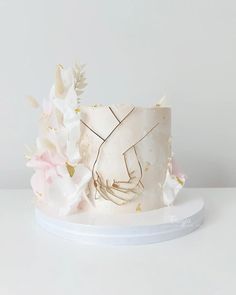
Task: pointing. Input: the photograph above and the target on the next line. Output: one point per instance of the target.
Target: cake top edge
(93, 106)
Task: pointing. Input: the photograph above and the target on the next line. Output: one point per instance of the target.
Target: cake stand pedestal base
(129, 229)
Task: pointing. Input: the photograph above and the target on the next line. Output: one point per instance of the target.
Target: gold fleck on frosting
(147, 165)
(70, 169)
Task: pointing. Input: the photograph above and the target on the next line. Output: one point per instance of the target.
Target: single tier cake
(112, 159)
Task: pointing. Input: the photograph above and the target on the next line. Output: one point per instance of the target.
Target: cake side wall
(128, 150)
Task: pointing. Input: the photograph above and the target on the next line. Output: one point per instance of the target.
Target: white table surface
(34, 262)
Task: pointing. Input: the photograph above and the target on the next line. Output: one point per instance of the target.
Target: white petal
(171, 188)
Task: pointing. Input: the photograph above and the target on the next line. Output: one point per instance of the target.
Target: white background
(135, 51)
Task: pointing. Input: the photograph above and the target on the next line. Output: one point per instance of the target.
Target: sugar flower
(174, 182)
(60, 179)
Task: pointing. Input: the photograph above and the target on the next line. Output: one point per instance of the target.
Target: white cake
(108, 159)
(128, 150)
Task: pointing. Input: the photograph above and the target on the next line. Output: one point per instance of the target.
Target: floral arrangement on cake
(60, 179)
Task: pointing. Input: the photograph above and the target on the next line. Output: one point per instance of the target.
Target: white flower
(174, 182)
(57, 147)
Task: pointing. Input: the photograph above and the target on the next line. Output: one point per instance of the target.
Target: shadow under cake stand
(129, 229)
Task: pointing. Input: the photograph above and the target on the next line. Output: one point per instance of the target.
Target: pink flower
(54, 188)
(46, 160)
(45, 166)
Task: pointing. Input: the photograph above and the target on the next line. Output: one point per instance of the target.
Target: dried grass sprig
(80, 81)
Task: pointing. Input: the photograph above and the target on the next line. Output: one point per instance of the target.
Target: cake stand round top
(129, 229)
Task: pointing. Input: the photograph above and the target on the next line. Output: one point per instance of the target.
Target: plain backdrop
(135, 51)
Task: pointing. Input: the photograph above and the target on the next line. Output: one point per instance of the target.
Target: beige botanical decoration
(60, 179)
(80, 79)
(59, 86)
(33, 102)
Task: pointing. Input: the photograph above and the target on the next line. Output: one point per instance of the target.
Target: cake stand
(129, 229)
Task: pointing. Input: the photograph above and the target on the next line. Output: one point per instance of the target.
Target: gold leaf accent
(180, 181)
(138, 208)
(70, 169)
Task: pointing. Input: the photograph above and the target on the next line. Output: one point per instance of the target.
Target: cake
(111, 159)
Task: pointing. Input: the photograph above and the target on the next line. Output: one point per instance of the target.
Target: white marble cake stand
(129, 229)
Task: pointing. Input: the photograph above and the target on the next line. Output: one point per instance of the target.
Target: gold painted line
(92, 130)
(114, 114)
(142, 137)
